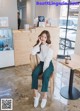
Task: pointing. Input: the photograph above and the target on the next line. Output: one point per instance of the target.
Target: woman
(45, 53)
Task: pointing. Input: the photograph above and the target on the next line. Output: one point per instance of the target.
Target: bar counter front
(25, 40)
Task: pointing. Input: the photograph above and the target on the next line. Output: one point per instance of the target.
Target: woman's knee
(34, 74)
(47, 73)
(45, 77)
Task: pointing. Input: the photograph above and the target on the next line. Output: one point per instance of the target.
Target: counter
(25, 40)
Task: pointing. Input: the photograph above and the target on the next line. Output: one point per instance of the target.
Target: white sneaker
(36, 100)
(43, 103)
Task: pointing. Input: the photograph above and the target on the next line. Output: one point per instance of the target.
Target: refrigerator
(6, 48)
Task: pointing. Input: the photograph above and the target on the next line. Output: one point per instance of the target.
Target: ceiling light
(20, 0)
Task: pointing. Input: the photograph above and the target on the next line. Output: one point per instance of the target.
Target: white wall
(30, 7)
(41, 10)
(34, 10)
(48, 11)
(29, 12)
(8, 8)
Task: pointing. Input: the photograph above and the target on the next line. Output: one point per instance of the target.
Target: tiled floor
(15, 83)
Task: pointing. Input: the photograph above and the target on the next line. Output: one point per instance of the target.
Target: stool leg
(51, 86)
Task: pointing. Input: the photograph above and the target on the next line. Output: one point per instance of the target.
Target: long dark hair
(48, 41)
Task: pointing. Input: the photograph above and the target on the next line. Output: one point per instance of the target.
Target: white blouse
(45, 55)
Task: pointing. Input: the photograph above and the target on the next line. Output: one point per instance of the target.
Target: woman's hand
(40, 41)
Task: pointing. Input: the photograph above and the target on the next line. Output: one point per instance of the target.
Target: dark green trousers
(45, 77)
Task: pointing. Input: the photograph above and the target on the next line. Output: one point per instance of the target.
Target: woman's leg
(44, 95)
(37, 71)
(35, 92)
(45, 79)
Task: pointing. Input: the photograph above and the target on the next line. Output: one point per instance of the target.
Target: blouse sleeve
(35, 49)
(48, 59)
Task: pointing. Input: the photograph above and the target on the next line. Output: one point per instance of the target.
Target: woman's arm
(35, 49)
(48, 59)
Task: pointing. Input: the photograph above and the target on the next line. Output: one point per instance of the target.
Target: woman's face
(43, 38)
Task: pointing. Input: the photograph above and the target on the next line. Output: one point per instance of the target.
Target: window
(68, 28)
